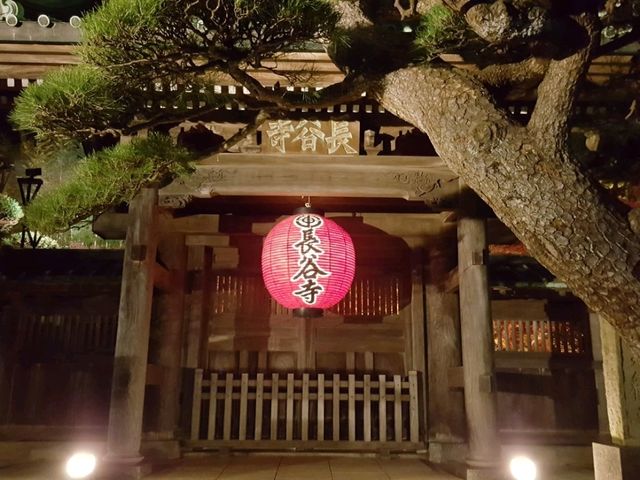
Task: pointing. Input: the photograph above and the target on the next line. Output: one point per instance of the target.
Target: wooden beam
(59, 32)
(29, 37)
(207, 240)
(411, 178)
(38, 49)
(113, 226)
(193, 224)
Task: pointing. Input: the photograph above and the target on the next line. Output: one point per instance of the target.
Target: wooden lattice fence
(305, 411)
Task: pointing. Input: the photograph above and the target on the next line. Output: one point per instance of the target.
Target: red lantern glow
(308, 261)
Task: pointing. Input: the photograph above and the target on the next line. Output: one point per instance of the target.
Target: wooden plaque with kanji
(314, 137)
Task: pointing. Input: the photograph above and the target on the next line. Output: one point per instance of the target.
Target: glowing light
(81, 465)
(308, 261)
(523, 468)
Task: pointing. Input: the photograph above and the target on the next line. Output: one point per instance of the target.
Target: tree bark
(561, 215)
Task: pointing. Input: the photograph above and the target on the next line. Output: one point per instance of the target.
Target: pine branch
(348, 90)
(557, 92)
(261, 117)
(499, 75)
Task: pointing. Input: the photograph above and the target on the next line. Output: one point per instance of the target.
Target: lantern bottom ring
(308, 312)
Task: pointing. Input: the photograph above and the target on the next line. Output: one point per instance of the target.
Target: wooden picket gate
(305, 411)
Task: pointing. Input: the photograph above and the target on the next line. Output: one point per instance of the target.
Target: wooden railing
(543, 336)
(305, 411)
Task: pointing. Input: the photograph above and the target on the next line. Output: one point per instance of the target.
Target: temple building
(451, 344)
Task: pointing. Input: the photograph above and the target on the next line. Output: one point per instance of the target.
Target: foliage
(48, 242)
(171, 37)
(13, 241)
(141, 57)
(82, 237)
(69, 102)
(151, 63)
(79, 103)
(106, 178)
(353, 49)
(440, 29)
(10, 212)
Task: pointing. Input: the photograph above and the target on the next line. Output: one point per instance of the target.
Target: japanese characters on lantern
(308, 262)
(309, 252)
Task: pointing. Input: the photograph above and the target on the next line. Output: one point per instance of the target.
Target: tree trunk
(562, 216)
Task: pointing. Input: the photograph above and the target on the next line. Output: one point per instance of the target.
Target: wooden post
(173, 253)
(205, 319)
(621, 372)
(132, 340)
(477, 344)
(596, 349)
(620, 459)
(419, 362)
(446, 399)
(191, 350)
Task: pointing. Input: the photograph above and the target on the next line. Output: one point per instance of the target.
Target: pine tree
(532, 175)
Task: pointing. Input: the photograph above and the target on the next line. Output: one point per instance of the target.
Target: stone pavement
(302, 468)
(263, 468)
(283, 468)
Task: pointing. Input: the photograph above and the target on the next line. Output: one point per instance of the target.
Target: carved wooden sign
(313, 137)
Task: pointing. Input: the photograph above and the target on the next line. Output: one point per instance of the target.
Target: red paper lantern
(308, 262)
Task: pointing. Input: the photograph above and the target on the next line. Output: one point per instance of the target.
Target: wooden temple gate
(210, 313)
(385, 368)
(392, 368)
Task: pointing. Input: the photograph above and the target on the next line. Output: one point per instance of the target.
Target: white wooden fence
(305, 411)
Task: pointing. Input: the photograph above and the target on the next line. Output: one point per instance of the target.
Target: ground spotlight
(523, 468)
(81, 465)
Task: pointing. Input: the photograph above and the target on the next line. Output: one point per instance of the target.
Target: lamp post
(30, 185)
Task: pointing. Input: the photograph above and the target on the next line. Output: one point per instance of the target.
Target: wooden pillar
(619, 460)
(306, 345)
(446, 399)
(132, 340)
(621, 375)
(477, 344)
(205, 319)
(419, 363)
(596, 349)
(173, 254)
(191, 348)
